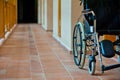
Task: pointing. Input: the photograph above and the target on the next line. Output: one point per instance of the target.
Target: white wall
(44, 19)
(55, 18)
(49, 15)
(65, 38)
(39, 12)
(45, 14)
(66, 23)
(70, 11)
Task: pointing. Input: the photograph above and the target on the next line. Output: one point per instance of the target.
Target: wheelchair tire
(79, 46)
(91, 67)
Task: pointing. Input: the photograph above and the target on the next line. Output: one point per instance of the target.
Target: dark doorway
(27, 11)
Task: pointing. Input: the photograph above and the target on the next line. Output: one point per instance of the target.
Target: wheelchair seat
(107, 15)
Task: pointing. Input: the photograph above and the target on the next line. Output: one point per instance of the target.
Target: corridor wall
(46, 14)
(8, 16)
(2, 32)
(63, 35)
(70, 11)
(39, 11)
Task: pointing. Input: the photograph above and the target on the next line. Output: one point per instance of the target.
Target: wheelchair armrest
(90, 17)
(86, 11)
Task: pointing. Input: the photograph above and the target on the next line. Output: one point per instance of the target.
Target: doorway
(27, 11)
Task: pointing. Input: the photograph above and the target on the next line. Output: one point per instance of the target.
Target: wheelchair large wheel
(79, 46)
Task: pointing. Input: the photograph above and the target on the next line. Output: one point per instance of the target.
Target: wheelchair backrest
(107, 13)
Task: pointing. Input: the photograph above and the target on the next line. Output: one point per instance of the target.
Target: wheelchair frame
(86, 39)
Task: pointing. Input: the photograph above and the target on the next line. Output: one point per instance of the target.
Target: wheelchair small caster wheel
(91, 65)
(102, 67)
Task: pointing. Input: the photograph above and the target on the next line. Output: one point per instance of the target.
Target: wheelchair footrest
(107, 49)
(105, 68)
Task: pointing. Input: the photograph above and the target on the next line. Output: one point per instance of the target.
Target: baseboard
(61, 43)
(7, 34)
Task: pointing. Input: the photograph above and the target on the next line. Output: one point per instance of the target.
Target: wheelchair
(98, 17)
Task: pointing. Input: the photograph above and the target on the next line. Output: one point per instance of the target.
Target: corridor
(31, 53)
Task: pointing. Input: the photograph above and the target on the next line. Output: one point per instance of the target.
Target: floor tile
(31, 53)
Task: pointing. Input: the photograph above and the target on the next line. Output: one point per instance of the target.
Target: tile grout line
(63, 65)
(29, 29)
(38, 54)
(68, 70)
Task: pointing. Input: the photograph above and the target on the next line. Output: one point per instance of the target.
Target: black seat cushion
(107, 49)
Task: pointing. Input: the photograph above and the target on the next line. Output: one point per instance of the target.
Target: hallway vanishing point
(31, 53)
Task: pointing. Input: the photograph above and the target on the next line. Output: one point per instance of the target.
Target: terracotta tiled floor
(30, 53)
